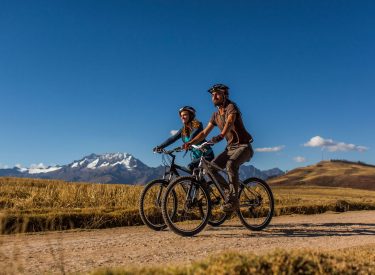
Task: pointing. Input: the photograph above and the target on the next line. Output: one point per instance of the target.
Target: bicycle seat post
(196, 172)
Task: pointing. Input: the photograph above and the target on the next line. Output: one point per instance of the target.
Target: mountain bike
(152, 194)
(193, 208)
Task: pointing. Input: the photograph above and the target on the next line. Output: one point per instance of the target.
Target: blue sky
(80, 77)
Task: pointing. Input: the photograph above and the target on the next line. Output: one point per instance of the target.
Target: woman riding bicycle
(152, 194)
(190, 129)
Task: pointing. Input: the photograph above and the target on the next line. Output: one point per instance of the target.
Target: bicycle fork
(158, 197)
(190, 196)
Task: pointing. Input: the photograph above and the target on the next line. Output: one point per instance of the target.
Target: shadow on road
(294, 230)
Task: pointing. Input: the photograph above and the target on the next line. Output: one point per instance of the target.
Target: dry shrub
(350, 261)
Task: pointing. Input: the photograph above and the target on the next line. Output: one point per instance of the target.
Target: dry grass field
(31, 205)
(318, 199)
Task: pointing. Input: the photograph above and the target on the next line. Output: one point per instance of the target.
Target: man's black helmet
(219, 87)
(190, 109)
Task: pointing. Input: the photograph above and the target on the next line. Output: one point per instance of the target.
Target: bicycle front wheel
(192, 206)
(256, 204)
(150, 204)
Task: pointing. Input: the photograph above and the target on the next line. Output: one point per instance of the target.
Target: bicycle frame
(206, 166)
(173, 167)
(173, 171)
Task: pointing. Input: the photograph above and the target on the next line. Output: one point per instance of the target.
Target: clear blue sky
(80, 77)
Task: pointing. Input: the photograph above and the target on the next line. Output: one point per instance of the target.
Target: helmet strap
(224, 102)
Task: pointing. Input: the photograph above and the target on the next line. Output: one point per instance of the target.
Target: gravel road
(85, 250)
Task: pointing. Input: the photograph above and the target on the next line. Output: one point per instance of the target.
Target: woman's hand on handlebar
(186, 146)
(157, 149)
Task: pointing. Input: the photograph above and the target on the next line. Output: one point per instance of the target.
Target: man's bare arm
(202, 135)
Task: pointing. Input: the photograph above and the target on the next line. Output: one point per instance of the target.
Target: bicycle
(151, 196)
(193, 208)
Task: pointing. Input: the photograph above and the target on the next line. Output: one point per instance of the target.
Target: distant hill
(113, 168)
(333, 173)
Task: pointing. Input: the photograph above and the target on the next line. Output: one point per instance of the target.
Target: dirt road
(82, 251)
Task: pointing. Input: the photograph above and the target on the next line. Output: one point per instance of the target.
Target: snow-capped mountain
(111, 168)
(94, 161)
(104, 168)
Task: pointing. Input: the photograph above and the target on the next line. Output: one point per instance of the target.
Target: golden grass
(330, 173)
(30, 205)
(27, 194)
(318, 199)
(38, 205)
(359, 260)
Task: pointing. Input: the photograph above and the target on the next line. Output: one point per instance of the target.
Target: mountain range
(113, 168)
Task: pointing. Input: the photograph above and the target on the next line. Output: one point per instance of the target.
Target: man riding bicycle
(191, 128)
(238, 150)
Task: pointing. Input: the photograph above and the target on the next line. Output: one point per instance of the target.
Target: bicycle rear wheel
(256, 204)
(193, 206)
(150, 204)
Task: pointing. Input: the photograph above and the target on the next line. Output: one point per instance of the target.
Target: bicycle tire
(173, 222)
(156, 222)
(268, 217)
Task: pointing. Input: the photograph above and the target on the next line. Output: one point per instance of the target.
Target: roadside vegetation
(358, 260)
(31, 205)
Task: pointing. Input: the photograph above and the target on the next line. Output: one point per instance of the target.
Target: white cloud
(173, 132)
(333, 146)
(319, 142)
(270, 149)
(299, 159)
(18, 165)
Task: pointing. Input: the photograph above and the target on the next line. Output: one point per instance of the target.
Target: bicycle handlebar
(179, 149)
(168, 152)
(201, 147)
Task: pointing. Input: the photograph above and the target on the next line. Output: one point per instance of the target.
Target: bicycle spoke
(192, 207)
(150, 204)
(256, 204)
